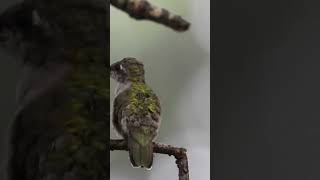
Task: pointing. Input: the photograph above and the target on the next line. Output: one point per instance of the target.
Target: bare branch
(141, 9)
(179, 153)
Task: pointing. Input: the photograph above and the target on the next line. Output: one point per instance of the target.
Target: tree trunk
(61, 126)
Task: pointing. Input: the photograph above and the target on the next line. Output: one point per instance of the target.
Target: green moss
(86, 55)
(81, 31)
(101, 146)
(76, 125)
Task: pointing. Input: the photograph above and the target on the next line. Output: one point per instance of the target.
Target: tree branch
(141, 9)
(179, 153)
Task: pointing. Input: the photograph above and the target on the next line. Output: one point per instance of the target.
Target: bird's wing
(155, 114)
(134, 107)
(142, 120)
(119, 104)
(143, 110)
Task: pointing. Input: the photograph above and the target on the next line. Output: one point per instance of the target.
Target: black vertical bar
(108, 79)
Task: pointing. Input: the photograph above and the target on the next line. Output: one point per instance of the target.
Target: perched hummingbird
(136, 111)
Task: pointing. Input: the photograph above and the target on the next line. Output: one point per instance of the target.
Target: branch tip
(143, 10)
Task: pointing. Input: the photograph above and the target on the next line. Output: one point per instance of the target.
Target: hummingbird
(136, 111)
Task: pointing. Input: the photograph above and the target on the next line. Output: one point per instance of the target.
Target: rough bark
(61, 126)
(143, 10)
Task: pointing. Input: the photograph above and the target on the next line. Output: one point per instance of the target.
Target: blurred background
(266, 72)
(177, 69)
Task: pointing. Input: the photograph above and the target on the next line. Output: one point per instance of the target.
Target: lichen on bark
(87, 86)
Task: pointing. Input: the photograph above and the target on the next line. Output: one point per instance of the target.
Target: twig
(141, 9)
(179, 153)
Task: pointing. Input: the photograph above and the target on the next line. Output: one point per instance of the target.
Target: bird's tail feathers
(141, 154)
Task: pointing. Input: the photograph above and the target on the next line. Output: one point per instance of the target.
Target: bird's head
(127, 70)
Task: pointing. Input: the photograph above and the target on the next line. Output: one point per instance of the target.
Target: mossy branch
(179, 153)
(143, 10)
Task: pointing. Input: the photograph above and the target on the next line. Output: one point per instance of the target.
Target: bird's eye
(117, 68)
